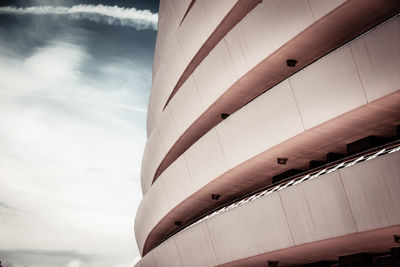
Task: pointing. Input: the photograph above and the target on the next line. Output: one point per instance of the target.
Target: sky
(75, 78)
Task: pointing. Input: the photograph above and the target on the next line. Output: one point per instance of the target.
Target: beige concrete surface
(212, 80)
(322, 209)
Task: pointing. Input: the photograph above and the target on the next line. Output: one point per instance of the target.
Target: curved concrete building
(273, 135)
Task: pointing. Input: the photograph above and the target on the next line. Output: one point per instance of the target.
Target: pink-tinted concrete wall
(250, 41)
(177, 45)
(348, 201)
(303, 107)
(334, 85)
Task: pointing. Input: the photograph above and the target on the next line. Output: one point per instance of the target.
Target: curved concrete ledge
(325, 250)
(318, 219)
(283, 122)
(341, 20)
(187, 10)
(261, 24)
(237, 13)
(170, 14)
(348, 67)
(176, 47)
(161, 207)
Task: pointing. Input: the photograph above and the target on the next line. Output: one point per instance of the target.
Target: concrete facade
(225, 104)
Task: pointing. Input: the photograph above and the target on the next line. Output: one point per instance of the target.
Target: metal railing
(291, 181)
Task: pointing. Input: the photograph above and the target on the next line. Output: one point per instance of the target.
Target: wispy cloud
(6, 206)
(31, 257)
(111, 15)
(57, 122)
(65, 258)
(72, 99)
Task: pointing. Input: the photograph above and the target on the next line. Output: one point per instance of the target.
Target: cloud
(74, 263)
(72, 137)
(130, 263)
(35, 257)
(5, 206)
(110, 15)
(58, 65)
(57, 123)
(60, 258)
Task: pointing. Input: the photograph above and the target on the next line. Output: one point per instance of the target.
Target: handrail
(392, 146)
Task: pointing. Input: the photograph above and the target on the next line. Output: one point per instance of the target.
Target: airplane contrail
(111, 15)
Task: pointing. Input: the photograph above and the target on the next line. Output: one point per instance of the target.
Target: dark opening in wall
(285, 175)
(395, 256)
(224, 116)
(315, 163)
(331, 157)
(360, 259)
(364, 144)
(215, 196)
(319, 264)
(291, 63)
(282, 160)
